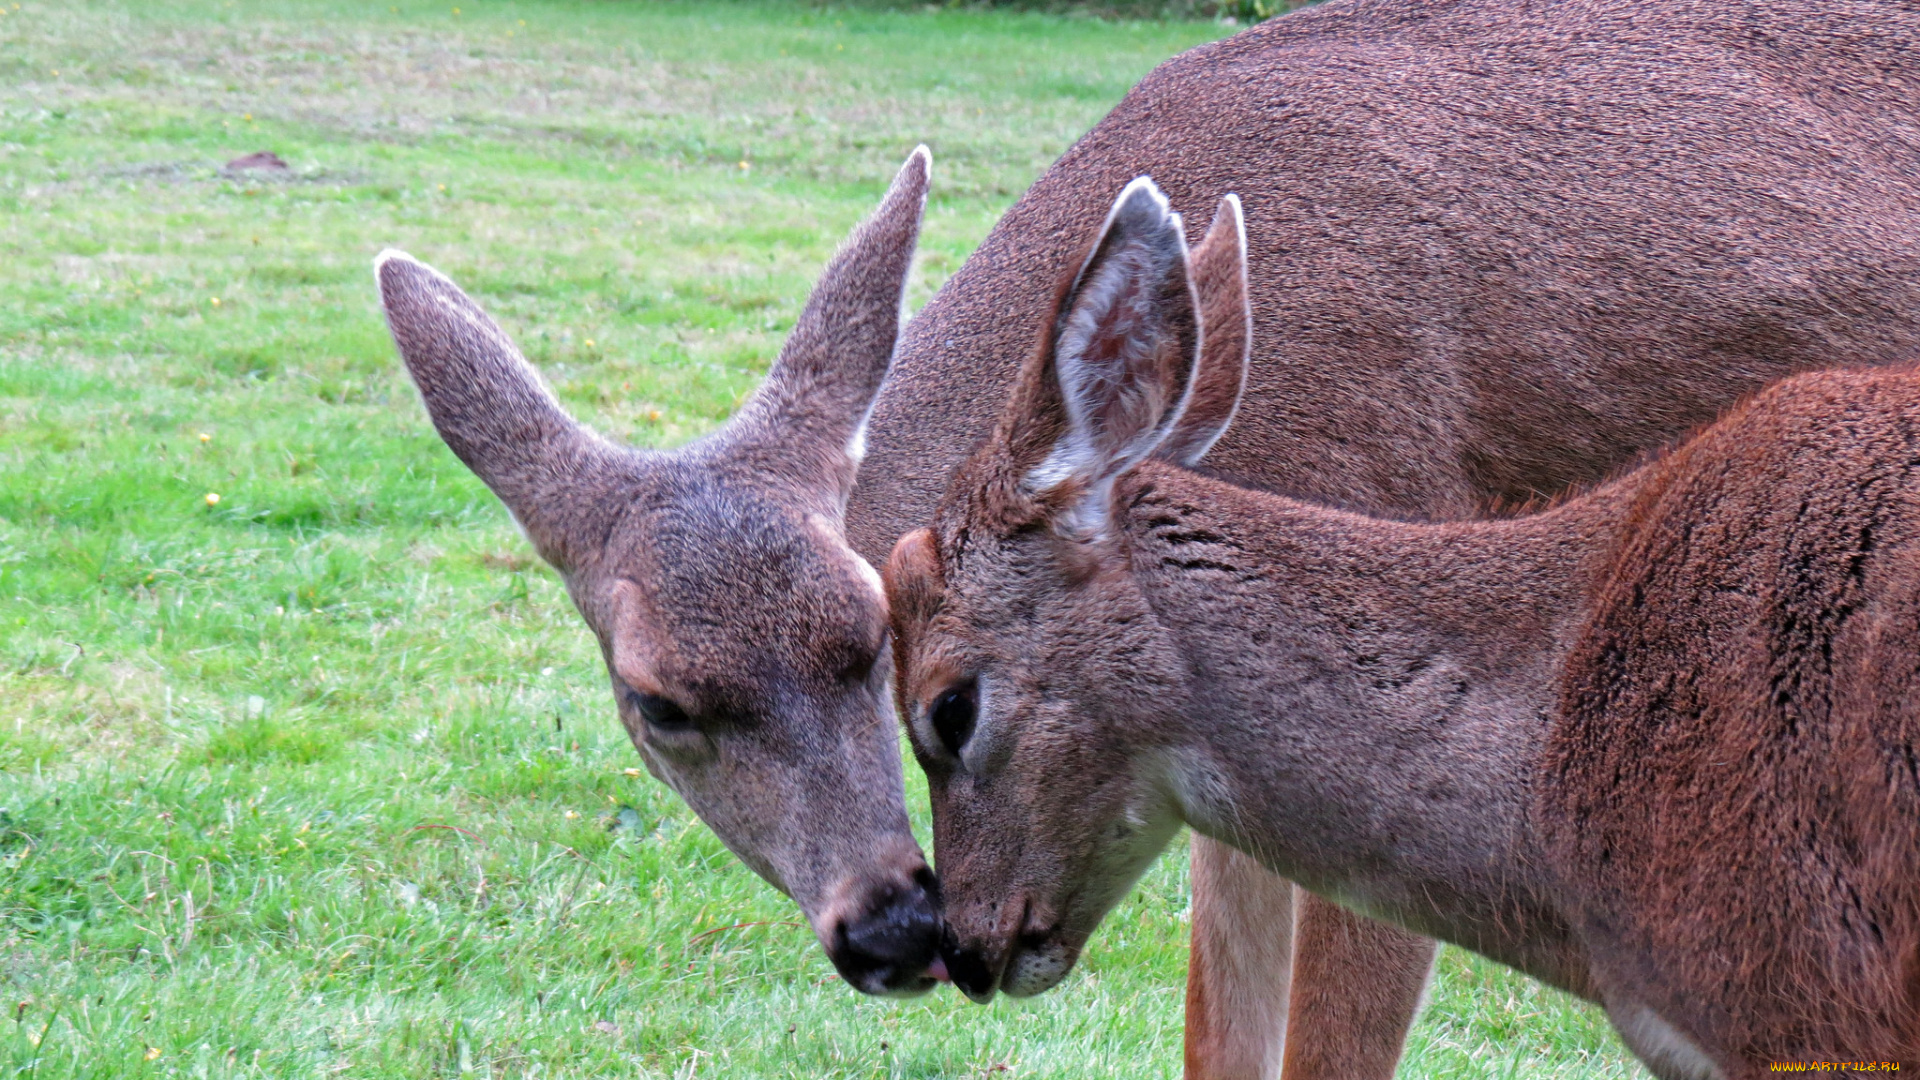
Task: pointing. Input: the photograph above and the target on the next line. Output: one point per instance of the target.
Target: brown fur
(1498, 249)
(1240, 972)
(1353, 1030)
(1654, 745)
(1495, 248)
(1748, 684)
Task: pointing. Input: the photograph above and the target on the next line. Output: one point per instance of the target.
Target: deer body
(1424, 655)
(1577, 742)
(1494, 248)
(1655, 745)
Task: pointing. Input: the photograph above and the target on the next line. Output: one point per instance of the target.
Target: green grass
(321, 779)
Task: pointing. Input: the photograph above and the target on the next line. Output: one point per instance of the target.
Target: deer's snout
(1015, 949)
(889, 941)
(973, 970)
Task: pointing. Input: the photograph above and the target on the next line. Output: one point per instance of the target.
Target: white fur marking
(1198, 450)
(869, 575)
(1667, 1051)
(1205, 797)
(386, 256)
(857, 444)
(1033, 971)
(1068, 458)
(831, 536)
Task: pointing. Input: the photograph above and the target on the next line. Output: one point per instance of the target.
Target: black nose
(889, 948)
(969, 971)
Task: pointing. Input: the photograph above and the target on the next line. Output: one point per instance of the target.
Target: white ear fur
(1132, 294)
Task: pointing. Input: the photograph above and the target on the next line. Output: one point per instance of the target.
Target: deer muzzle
(887, 941)
(1022, 954)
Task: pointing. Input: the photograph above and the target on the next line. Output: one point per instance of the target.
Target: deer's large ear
(807, 422)
(1125, 346)
(1219, 266)
(492, 409)
(913, 581)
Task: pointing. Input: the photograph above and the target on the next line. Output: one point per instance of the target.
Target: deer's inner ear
(1219, 272)
(913, 580)
(1125, 346)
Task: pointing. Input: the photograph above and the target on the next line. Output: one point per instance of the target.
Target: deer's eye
(659, 713)
(857, 661)
(952, 717)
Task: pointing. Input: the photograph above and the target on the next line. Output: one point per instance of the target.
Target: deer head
(745, 640)
(1018, 600)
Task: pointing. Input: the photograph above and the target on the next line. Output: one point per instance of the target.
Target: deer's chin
(1038, 967)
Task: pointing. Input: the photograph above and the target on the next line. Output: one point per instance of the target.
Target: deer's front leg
(1240, 967)
(1348, 995)
(1356, 987)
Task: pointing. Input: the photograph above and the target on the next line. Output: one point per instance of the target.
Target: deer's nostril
(929, 884)
(969, 971)
(891, 947)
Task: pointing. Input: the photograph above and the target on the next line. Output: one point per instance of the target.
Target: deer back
(1495, 248)
(1731, 795)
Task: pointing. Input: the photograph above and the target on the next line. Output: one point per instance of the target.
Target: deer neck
(1369, 698)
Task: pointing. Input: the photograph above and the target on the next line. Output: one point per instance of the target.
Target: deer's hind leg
(1666, 1052)
(1357, 985)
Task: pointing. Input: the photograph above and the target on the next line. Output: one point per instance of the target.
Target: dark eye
(952, 718)
(859, 664)
(659, 712)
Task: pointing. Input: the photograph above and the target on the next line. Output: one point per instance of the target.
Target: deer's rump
(1733, 790)
(1496, 247)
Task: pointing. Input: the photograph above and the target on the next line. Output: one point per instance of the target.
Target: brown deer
(1496, 247)
(746, 641)
(1658, 745)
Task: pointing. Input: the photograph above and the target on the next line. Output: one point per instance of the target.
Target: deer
(742, 635)
(1496, 251)
(1657, 744)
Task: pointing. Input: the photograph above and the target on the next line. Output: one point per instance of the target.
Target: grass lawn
(320, 776)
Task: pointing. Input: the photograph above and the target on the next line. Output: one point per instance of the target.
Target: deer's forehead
(1027, 608)
(1000, 575)
(989, 613)
(721, 585)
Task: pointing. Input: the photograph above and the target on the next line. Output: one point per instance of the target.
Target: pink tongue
(938, 969)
